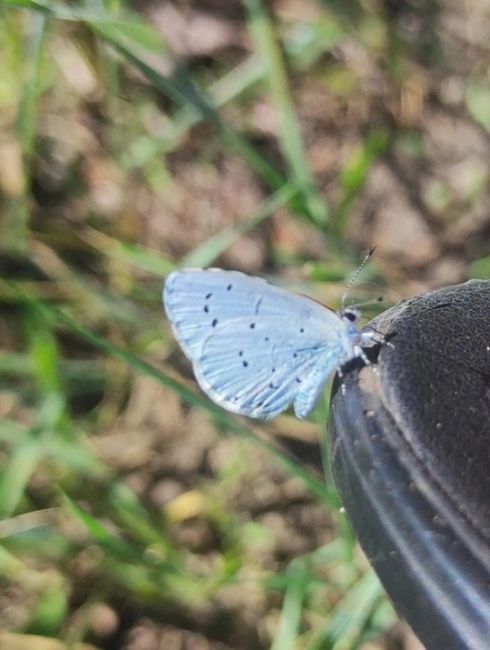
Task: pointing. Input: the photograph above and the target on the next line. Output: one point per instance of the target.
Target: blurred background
(279, 138)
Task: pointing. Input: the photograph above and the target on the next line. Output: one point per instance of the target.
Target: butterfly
(256, 348)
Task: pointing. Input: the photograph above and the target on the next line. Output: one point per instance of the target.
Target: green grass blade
(290, 134)
(138, 256)
(127, 26)
(350, 616)
(15, 229)
(477, 100)
(128, 509)
(27, 4)
(355, 172)
(106, 539)
(130, 29)
(51, 608)
(208, 251)
(22, 462)
(52, 411)
(29, 107)
(52, 415)
(298, 578)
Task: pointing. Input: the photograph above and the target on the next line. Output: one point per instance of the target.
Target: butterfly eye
(352, 314)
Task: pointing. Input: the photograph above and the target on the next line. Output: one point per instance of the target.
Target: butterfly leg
(359, 352)
(379, 337)
(372, 335)
(341, 377)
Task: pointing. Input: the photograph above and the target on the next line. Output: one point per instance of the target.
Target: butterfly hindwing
(310, 390)
(257, 372)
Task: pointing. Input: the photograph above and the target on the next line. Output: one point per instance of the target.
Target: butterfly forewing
(254, 346)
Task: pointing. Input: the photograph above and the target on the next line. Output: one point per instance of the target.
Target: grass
(290, 139)
(91, 224)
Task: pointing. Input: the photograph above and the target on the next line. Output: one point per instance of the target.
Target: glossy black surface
(411, 458)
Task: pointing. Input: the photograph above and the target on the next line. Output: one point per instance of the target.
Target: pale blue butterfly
(256, 348)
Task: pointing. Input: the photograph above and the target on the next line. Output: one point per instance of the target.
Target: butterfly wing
(311, 389)
(253, 345)
(260, 374)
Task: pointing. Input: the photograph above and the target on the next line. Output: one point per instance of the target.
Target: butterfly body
(256, 348)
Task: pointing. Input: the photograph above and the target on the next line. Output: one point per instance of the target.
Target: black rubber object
(410, 449)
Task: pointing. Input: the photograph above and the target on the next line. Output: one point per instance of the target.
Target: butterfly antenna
(356, 274)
